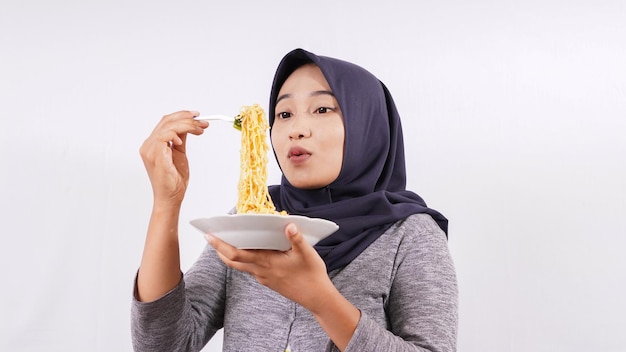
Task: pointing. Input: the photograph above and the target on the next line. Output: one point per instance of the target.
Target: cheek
(337, 144)
(338, 154)
(339, 137)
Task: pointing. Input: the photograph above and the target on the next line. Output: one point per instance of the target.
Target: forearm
(336, 315)
(159, 271)
(350, 331)
(187, 316)
(371, 336)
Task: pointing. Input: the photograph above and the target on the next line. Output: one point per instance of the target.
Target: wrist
(325, 300)
(166, 206)
(164, 218)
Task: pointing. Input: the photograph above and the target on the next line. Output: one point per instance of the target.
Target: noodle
(252, 189)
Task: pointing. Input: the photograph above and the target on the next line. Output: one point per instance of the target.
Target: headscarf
(369, 195)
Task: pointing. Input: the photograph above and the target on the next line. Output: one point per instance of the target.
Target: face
(308, 131)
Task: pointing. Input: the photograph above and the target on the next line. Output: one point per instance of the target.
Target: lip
(298, 155)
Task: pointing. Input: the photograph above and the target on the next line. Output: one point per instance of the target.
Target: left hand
(298, 273)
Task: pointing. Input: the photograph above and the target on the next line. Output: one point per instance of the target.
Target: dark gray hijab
(369, 194)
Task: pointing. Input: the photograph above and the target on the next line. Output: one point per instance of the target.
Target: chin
(303, 180)
(306, 185)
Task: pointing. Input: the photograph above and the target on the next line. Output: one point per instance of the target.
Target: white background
(514, 116)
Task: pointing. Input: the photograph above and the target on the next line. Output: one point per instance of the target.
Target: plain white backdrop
(514, 116)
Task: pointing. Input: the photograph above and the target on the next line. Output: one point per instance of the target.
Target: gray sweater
(404, 285)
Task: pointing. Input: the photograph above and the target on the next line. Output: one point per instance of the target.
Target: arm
(159, 271)
(169, 314)
(298, 274)
(421, 307)
(423, 301)
(163, 154)
(185, 318)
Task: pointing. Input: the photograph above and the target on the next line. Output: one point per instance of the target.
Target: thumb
(294, 236)
(179, 144)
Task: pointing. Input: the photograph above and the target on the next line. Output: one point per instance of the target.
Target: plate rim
(311, 237)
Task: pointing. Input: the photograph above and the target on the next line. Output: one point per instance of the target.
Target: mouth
(297, 154)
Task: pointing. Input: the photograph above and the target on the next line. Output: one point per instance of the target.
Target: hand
(163, 155)
(298, 274)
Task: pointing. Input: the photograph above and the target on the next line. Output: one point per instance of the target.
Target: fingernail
(292, 229)
(209, 238)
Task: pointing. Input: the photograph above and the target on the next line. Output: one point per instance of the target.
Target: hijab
(369, 195)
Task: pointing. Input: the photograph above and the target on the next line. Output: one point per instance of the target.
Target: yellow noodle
(253, 196)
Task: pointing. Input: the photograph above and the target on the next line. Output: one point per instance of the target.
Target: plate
(263, 231)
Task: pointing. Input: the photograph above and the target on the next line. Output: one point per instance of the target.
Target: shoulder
(415, 231)
(415, 240)
(419, 224)
(419, 243)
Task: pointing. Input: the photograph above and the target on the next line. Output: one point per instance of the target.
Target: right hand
(163, 155)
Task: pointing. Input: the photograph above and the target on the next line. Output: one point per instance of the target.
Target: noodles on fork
(253, 196)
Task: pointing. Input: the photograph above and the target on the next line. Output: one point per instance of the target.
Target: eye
(283, 115)
(323, 110)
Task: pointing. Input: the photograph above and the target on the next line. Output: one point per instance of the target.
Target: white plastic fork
(216, 117)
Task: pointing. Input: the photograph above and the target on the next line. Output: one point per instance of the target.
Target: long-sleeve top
(404, 284)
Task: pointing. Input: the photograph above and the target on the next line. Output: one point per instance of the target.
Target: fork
(216, 117)
(235, 120)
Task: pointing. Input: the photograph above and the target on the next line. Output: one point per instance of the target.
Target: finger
(230, 252)
(180, 115)
(174, 133)
(295, 237)
(181, 126)
(179, 143)
(168, 120)
(240, 266)
(241, 260)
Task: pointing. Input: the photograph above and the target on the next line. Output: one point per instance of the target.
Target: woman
(383, 282)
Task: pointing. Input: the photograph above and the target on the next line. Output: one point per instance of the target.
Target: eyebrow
(312, 94)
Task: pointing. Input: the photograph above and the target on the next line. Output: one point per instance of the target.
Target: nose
(299, 129)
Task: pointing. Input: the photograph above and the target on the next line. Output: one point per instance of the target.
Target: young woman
(383, 282)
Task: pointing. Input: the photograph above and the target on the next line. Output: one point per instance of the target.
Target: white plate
(263, 231)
